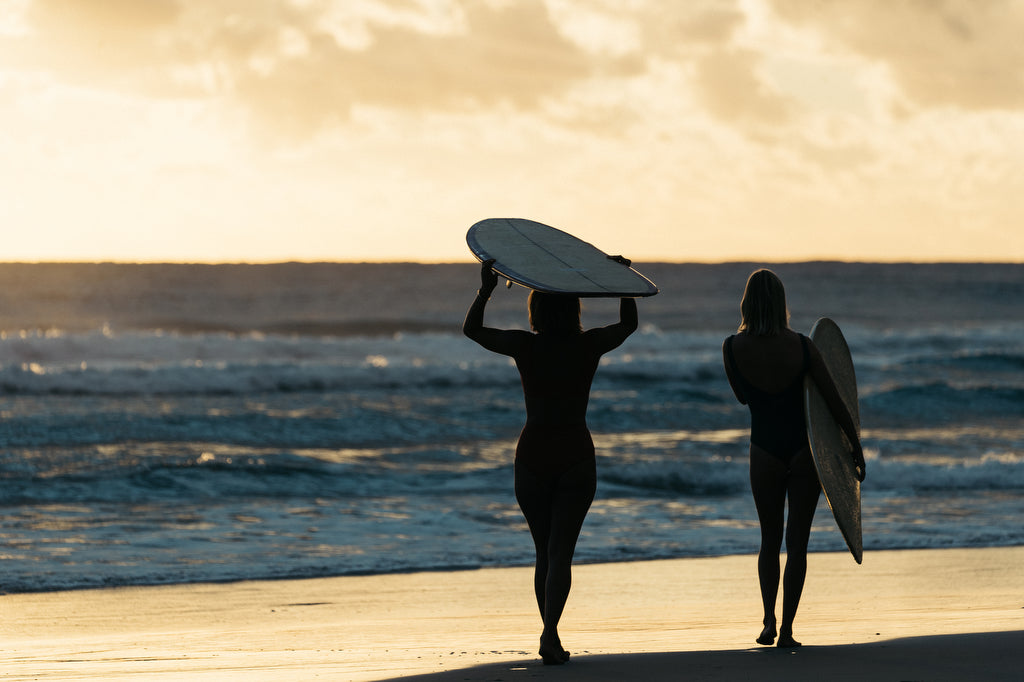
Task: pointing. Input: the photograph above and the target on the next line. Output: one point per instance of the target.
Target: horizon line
(468, 261)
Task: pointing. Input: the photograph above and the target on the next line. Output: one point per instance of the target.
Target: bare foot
(553, 654)
(786, 641)
(767, 636)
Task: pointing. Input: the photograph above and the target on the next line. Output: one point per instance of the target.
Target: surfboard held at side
(830, 448)
(540, 257)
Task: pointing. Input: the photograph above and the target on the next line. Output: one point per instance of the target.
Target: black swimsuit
(776, 419)
(556, 375)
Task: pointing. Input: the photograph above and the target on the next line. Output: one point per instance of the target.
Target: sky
(380, 130)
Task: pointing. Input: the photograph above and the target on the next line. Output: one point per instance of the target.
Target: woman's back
(766, 373)
(557, 371)
(769, 363)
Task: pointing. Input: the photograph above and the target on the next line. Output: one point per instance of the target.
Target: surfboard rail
(830, 448)
(544, 258)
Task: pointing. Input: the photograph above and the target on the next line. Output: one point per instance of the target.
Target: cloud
(959, 53)
(508, 54)
(295, 68)
(115, 45)
(287, 63)
(680, 28)
(702, 39)
(732, 90)
(300, 66)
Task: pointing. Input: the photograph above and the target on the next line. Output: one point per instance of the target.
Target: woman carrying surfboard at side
(555, 466)
(766, 362)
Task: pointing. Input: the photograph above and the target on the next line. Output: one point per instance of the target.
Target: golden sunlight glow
(765, 130)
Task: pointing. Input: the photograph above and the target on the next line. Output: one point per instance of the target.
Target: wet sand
(951, 614)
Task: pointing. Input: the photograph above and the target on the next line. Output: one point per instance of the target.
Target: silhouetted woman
(766, 362)
(555, 467)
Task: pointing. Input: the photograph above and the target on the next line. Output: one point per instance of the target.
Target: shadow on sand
(978, 656)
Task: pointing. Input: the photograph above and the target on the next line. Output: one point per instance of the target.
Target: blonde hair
(554, 313)
(763, 307)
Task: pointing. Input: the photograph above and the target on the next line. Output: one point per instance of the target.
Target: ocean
(191, 423)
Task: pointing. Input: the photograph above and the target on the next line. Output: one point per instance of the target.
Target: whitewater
(186, 423)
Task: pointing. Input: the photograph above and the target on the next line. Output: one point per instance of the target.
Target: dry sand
(903, 615)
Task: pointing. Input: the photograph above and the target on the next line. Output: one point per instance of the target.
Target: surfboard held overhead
(540, 257)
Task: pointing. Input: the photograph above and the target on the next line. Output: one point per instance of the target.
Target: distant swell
(186, 423)
(341, 328)
(934, 400)
(983, 361)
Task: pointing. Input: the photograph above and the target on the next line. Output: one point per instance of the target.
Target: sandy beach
(952, 614)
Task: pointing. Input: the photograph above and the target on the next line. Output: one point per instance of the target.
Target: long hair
(763, 307)
(553, 313)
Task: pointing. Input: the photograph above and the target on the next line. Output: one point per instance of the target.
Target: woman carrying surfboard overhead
(766, 362)
(555, 466)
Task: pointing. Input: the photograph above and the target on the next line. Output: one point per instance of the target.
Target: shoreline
(444, 570)
(921, 614)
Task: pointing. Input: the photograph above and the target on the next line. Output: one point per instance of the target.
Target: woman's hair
(764, 305)
(554, 313)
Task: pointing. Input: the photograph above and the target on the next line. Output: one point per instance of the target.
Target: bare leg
(535, 503)
(555, 520)
(768, 483)
(804, 491)
(573, 496)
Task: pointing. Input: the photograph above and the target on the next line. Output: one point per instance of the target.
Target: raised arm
(474, 322)
(506, 342)
(612, 336)
(827, 387)
(615, 334)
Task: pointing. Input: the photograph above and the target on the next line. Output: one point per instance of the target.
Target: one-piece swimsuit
(551, 383)
(776, 418)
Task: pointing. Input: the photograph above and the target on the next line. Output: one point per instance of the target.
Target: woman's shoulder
(787, 338)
